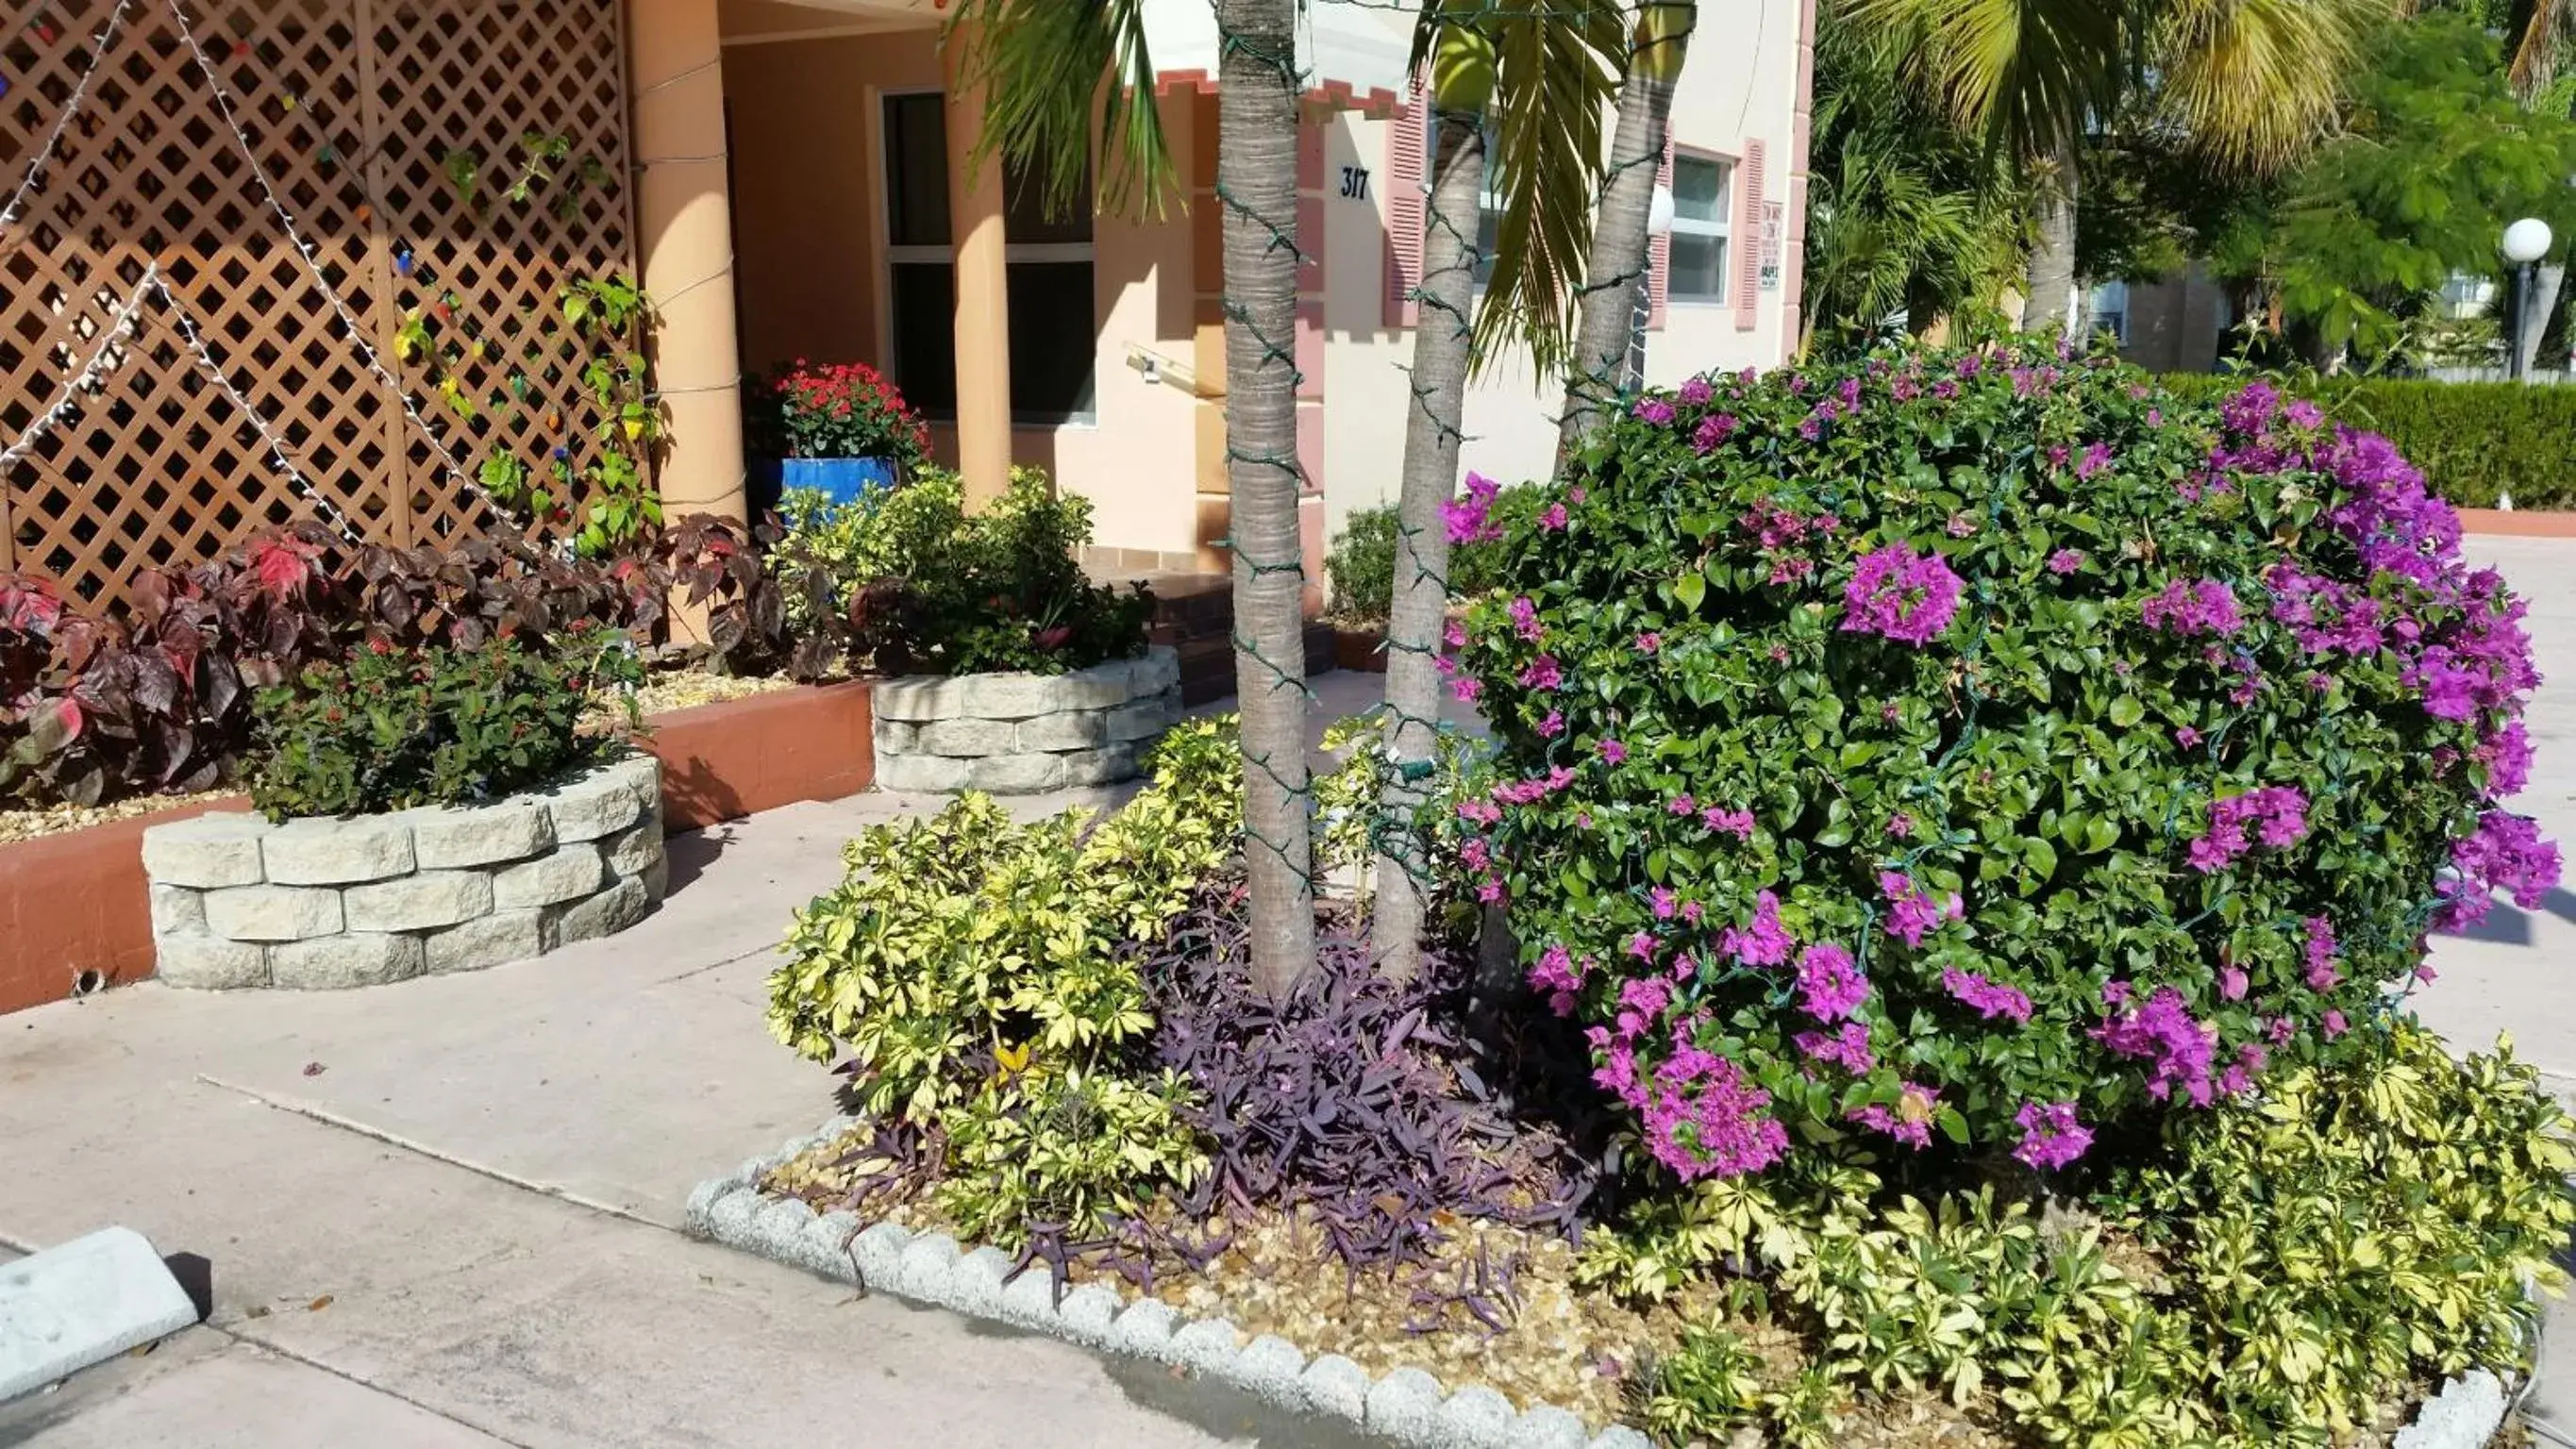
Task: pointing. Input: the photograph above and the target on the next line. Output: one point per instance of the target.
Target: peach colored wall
(808, 224)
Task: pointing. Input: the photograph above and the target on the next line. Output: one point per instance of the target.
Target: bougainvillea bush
(1980, 752)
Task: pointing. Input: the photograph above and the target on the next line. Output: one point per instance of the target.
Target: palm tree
(2252, 84)
(1537, 71)
(1904, 214)
(1657, 48)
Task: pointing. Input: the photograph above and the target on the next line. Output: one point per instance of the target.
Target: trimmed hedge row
(2473, 440)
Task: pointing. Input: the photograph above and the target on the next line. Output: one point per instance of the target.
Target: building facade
(1094, 345)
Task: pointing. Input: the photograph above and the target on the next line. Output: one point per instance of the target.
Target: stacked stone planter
(1020, 734)
(334, 902)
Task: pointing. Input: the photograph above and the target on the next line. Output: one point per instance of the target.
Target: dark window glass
(1052, 340)
(916, 148)
(1024, 214)
(1698, 267)
(925, 335)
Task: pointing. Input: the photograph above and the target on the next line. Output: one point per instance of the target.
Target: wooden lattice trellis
(352, 109)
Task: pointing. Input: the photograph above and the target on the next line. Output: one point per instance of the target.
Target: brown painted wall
(804, 172)
(78, 902)
(725, 761)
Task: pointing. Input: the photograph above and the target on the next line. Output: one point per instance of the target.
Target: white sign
(1775, 217)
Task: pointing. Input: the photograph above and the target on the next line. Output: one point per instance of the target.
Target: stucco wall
(804, 115)
(1741, 80)
(808, 224)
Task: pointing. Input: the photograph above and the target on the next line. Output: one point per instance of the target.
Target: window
(2110, 311)
(1049, 260)
(1701, 201)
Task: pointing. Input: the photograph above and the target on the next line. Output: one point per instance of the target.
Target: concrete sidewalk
(443, 1213)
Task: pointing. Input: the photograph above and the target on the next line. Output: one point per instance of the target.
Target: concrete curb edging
(1406, 1405)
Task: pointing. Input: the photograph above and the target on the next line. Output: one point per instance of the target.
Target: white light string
(45, 152)
(93, 375)
(87, 380)
(295, 478)
(349, 324)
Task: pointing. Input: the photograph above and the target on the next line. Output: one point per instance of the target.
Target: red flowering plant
(835, 410)
(1981, 750)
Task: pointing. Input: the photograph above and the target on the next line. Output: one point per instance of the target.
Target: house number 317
(1355, 182)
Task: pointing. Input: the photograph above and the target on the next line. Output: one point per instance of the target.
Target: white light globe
(1659, 213)
(2526, 241)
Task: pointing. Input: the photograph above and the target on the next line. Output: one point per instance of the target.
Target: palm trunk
(1446, 305)
(2048, 294)
(1256, 180)
(2539, 309)
(1618, 258)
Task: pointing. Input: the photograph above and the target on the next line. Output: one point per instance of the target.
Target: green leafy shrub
(2474, 440)
(934, 589)
(1361, 564)
(1979, 744)
(388, 728)
(970, 967)
(2275, 1272)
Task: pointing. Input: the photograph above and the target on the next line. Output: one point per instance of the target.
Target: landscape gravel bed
(1406, 1405)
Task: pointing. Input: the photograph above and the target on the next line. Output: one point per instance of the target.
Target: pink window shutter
(1408, 137)
(1746, 236)
(1659, 250)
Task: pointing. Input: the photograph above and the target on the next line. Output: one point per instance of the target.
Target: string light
(105, 359)
(62, 122)
(350, 327)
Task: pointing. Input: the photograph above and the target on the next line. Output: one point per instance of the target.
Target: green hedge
(2472, 439)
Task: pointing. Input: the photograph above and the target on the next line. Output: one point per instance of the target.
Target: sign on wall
(1775, 216)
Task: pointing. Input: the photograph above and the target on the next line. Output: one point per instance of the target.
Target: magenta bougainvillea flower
(1901, 595)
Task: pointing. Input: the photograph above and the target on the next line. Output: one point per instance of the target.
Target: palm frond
(2025, 71)
(1046, 67)
(1556, 66)
(2255, 83)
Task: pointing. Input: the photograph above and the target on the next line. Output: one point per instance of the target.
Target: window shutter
(1746, 236)
(1659, 250)
(1408, 138)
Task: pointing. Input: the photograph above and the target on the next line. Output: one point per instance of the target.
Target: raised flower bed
(325, 902)
(1023, 734)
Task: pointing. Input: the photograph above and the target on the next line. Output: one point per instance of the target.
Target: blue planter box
(843, 480)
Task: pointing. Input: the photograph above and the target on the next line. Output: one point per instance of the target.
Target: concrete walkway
(444, 1213)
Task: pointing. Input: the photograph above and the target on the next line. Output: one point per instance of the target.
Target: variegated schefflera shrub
(1977, 750)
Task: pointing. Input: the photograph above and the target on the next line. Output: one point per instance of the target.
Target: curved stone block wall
(1021, 734)
(330, 902)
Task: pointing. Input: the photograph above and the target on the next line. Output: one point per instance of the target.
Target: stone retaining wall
(1021, 734)
(331, 902)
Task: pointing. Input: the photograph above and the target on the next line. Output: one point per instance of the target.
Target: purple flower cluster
(1847, 1048)
(1830, 986)
(1909, 1121)
(2161, 1031)
(1901, 595)
(2279, 812)
(1913, 910)
(1470, 519)
(1989, 999)
(1761, 941)
(2505, 853)
(2319, 952)
(2051, 1136)
(2188, 607)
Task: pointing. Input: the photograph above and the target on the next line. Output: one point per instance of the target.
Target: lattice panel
(350, 109)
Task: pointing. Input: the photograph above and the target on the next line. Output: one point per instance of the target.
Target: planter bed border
(75, 910)
(1406, 1405)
